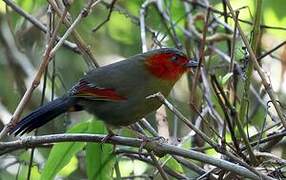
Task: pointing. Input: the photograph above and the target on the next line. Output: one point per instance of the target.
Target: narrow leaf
(62, 153)
(225, 78)
(99, 158)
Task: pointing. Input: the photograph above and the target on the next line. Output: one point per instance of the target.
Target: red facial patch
(163, 67)
(100, 93)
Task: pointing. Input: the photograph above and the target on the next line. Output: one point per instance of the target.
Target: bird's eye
(174, 58)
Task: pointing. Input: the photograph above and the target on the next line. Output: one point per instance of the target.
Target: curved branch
(157, 147)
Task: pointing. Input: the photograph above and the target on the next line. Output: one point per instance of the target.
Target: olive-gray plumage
(127, 82)
(125, 112)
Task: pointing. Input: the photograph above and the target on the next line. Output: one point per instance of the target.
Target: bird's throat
(162, 68)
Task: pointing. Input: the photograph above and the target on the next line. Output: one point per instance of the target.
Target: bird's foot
(146, 140)
(105, 139)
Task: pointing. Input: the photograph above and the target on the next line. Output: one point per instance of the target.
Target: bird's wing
(85, 89)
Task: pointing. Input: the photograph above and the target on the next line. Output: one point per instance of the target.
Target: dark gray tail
(44, 114)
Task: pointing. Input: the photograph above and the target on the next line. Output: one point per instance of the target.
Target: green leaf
(173, 164)
(69, 168)
(2, 7)
(24, 172)
(225, 78)
(99, 158)
(62, 153)
(129, 167)
(117, 25)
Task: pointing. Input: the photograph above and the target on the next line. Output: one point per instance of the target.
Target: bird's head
(168, 63)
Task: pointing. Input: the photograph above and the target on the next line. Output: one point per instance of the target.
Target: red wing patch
(86, 90)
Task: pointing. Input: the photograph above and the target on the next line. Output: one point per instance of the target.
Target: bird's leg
(107, 137)
(146, 140)
(139, 132)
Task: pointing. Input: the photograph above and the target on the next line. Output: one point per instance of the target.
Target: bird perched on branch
(116, 93)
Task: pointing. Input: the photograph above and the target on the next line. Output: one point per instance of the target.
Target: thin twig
(193, 167)
(201, 56)
(232, 51)
(260, 71)
(272, 50)
(166, 20)
(204, 136)
(25, 99)
(227, 110)
(107, 18)
(145, 124)
(117, 170)
(184, 119)
(227, 31)
(200, 4)
(49, 35)
(37, 23)
(82, 14)
(134, 19)
(160, 169)
(135, 155)
(84, 49)
(142, 24)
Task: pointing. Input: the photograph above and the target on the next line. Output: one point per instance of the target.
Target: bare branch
(158, 148)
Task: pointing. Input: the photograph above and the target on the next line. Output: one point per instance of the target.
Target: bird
(116, 93)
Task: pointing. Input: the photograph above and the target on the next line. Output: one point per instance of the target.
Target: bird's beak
(192, 64)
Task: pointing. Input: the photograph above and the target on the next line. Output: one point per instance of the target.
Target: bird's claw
(105, 139)
(146, 140)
